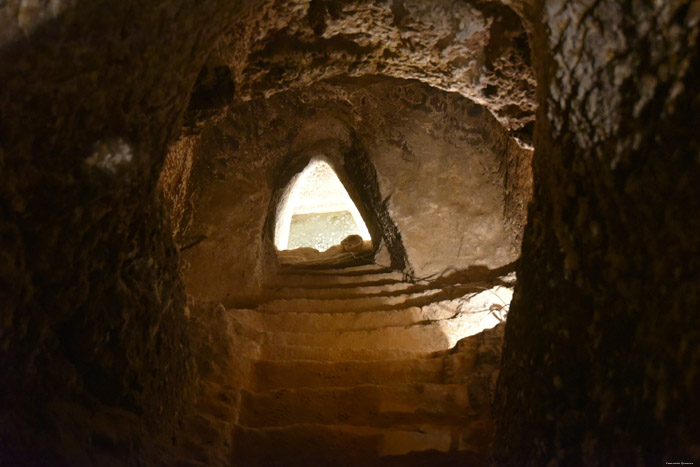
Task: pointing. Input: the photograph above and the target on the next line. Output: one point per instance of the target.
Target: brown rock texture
(479, 50)
(223, 351)
(95, 363)
(143, 150)
(440, 164)
(601, 351)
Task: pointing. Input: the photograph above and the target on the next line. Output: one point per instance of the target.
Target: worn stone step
(415, 296)
(351, 320)
(322, 354)
(312, 281)
(368, 290)
(362, 269)
(276, 374)
(366, 405)
(428, 337)
(310, 445)
(361, 303)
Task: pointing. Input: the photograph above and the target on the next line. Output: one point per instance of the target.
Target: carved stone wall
(600, 350)
(440, 162)
(95, 364)
(601, 345)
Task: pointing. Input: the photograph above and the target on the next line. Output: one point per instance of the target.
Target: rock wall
(224, 352)
(440, 161)
(601, 349)
(94, 358)
(600, 356)
(441, 169)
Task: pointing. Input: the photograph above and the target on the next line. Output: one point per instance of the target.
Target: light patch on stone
(23, 17)
(110, 155)
(478, 312)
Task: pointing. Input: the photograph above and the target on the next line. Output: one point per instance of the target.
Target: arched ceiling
(479, 50)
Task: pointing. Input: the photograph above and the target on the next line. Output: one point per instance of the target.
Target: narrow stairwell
(355, 367)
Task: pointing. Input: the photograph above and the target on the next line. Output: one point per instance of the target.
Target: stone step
(381, 289)
(322, 354)
(362, 303)
(349, 320)
(310, 445)
(275, 374)
(314, 281)
(411, 296)
(366, 405)
(363, 269)
(428, 337)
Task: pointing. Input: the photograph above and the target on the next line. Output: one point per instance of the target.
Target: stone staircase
(355, 367)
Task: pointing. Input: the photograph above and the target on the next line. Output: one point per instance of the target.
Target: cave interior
(506, 191)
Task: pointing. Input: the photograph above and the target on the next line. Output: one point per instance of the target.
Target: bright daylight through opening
(316, 211)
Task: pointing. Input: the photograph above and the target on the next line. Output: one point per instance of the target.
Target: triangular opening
(317, 212)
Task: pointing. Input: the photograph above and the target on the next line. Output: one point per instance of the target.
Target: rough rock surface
(224, 352)
(441, 168)
(478, 50)
(331, 384)
(94, 356)
(601, 348)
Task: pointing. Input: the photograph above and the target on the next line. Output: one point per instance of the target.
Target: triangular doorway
(316, 211)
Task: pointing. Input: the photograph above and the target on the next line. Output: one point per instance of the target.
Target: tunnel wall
(601, 346)
(94, 358)
(427, 170)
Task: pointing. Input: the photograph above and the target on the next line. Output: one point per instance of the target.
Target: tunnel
(322, 233)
